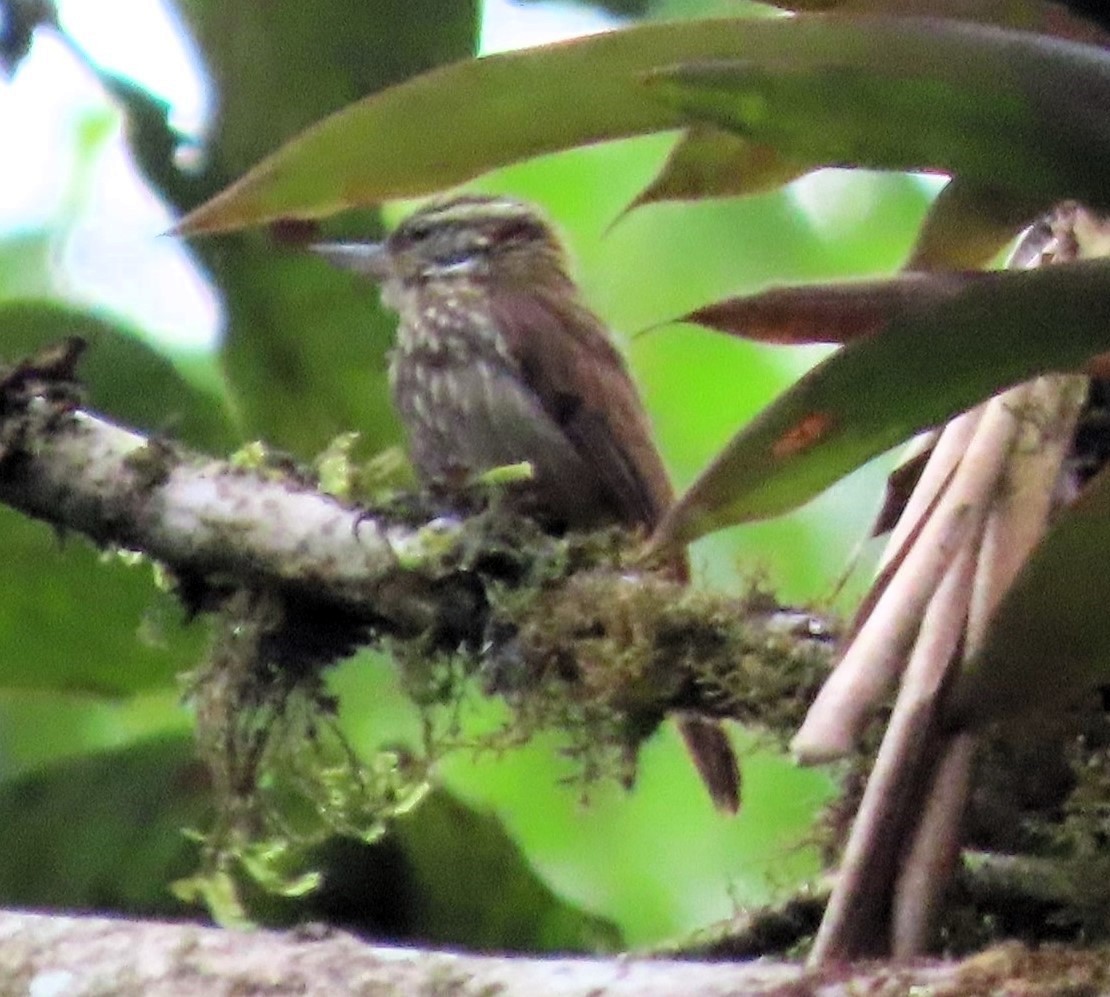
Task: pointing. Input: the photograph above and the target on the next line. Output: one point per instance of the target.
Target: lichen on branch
(570, 631)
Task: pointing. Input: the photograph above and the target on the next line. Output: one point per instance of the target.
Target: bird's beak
(367, 258)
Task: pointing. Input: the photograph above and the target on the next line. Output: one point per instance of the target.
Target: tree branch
(204, 517)
(93, 955)
(444, 582)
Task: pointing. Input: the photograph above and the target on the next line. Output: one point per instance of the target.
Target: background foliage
(94, 751)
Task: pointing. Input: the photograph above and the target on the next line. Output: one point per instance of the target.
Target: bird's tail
(709, 747)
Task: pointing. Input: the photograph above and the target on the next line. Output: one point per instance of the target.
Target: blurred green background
(234, 339)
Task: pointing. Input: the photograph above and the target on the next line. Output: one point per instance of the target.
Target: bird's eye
(417, 231)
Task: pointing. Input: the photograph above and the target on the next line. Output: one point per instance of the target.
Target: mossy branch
(526, 606)
(314, 575)
(567, 630)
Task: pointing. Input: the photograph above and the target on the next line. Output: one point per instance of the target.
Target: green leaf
(469, 883)
(1048, 643)
(998, 104)
(76, 620)
(475, 114)
(708, 162)
(968, 226)
(103, 832)
(994, 106)
(927, 364)
(483, 113)
(25, 263)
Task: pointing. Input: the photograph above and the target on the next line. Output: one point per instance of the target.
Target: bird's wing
(582, 384)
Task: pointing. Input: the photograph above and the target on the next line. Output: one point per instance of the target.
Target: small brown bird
(498, 360)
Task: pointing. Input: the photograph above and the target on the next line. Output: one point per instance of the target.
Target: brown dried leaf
(827, 313)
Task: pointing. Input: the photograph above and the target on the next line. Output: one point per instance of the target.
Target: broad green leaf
(993, 106)
(74, 620)
(467, 882)
(926, 365)
(453, 123)
(103, 832)
(1048, 642)
(994, 103)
